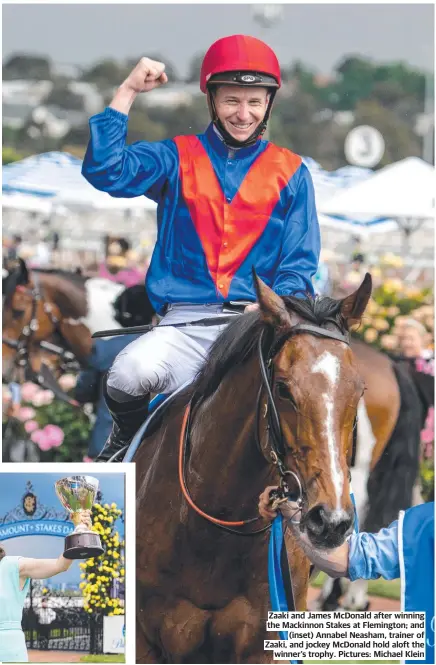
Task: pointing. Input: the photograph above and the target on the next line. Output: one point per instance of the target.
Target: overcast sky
(319, 35)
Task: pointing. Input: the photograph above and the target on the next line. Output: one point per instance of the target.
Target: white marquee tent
(351, 202)
(399, 191)
(56, 178)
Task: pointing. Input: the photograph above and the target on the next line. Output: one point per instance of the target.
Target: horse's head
(17, 310)
(316, 390)
(33, 311)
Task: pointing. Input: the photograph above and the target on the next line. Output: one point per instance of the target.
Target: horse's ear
(23, 272)
(353, 306)
(272, 308)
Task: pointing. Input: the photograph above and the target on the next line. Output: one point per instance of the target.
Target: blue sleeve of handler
(374, 555)
(126, 171)
(299, 256)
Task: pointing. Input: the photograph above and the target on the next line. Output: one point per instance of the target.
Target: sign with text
(35, 528)
(114, 634)
(32, 518)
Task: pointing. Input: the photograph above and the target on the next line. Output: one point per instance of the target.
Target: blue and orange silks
(220, 212)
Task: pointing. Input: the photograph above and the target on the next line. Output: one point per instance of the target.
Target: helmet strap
(229, 140)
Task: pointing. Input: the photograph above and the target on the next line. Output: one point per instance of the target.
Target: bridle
(275, 439)
(22, 346)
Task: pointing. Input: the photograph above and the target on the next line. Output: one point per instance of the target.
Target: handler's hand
(264, 503)
(147, 75)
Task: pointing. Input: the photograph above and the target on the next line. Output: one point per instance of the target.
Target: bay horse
(51, 306)
(202, 593)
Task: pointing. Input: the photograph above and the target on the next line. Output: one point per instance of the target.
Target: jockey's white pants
(165, 358)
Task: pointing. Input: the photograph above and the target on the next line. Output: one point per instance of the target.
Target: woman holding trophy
(15, 575)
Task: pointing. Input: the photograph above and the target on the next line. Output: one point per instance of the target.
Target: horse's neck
(225, 461)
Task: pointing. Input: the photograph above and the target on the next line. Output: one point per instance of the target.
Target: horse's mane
(66, 289)
(240, 338)
(69, 295)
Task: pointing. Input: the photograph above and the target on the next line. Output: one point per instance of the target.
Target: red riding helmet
(240, 60)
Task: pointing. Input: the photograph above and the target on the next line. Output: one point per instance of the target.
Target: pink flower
(31, 426)
(29, 391)
(39, 437)
(54, 434)
(87, 459)
(43, 398)
(67, 382)
(26, 413)
(427, 434)
(50, 437)
(45, 444)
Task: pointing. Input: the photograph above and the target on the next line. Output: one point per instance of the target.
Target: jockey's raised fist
(147, 75)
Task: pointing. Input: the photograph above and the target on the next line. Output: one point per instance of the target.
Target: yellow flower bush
(391, 304)
(99, 573)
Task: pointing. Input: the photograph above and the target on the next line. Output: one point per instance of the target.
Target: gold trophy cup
(77, 494)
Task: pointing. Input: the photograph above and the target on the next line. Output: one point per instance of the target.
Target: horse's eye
(283, 391)
(18, 313)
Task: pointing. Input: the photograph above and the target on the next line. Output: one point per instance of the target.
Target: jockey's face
(241, 109)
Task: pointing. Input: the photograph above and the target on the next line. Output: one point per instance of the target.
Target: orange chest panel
(228, 230)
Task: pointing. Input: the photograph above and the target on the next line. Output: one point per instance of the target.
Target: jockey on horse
(227, 200)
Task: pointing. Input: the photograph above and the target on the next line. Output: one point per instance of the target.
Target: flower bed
(59, 430)
(392, 303)
(98, 574)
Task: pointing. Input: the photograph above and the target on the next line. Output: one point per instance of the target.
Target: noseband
(275, 437)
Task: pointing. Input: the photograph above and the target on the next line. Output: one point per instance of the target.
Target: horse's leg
(183, 631)
(328, 597)
(145, 651)
(356, 595)
(366, 442)
(241, 625)
(180, 625)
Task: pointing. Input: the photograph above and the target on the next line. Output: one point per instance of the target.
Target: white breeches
(166, 358)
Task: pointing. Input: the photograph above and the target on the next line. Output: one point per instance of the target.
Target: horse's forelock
(319, 310)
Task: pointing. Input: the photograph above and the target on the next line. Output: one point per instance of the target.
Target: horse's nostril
(343, 526)
(315, 520)
(324, 526)
(317, 516)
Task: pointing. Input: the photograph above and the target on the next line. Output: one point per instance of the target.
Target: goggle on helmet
(243, 61)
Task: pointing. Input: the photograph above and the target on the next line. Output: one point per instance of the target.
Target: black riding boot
(128, 418)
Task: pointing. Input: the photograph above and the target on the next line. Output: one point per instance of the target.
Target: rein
(276, 440)
(183, 455)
